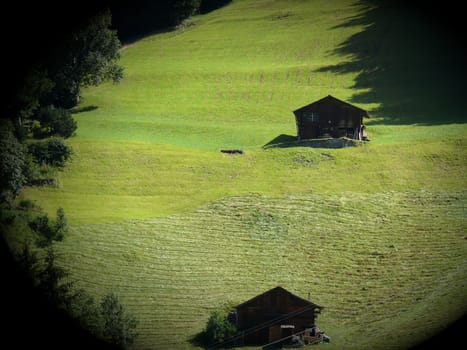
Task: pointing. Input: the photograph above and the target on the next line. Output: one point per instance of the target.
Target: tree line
(38, 119)
(45, 303)
(50, 68)
(54, 50)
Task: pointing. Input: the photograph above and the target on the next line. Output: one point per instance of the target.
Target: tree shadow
(408, 61)
(137, 19)
(77, 110)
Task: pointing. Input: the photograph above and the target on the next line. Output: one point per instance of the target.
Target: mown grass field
(376, 234)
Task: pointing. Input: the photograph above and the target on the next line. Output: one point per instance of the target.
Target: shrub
(26, 204)
(31, 170)
(59, 152)
(218, 329)
(38, 131)
(53, 151)
(54, 121)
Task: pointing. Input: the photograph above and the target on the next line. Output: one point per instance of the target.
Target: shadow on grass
(199, 340)
(408, 61)
(137, 19)
(77, 110)
(282, 140)
(287, 141)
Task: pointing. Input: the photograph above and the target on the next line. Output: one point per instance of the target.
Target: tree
(210, 5)
(133, 18)
(61, 224)
(41, 226)
(88, 57)
(108, 321)
(12, 162)
(48, 232)
(50, 282)
(37, 84)
(86, 312)
(118, 326)
(184, 8)
(28, 261)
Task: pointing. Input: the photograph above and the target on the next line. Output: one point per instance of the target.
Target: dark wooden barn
(273, 315)
(330, 117)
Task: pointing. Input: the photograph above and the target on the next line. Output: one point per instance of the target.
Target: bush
(31, 170)
(26, 204)
(53, 151)
(218, 329)
(37, 130)
(54, 121)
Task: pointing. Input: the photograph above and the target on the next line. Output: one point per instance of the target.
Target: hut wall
(327, 119)
(274, 309)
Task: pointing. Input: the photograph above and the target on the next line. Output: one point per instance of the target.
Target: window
(311, 117)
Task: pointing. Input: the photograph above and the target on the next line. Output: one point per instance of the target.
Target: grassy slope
(158, 214)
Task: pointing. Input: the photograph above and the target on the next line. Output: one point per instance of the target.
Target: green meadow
(376, 233)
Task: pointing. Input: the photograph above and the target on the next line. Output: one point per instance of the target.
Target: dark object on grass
(232, 151)
(42, 182)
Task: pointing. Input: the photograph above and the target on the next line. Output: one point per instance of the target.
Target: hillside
(375, 233)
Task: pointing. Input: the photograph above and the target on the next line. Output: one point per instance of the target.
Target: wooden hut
(330, 117)
(274, 315)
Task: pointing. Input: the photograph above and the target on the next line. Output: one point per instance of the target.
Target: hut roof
(331, 99)
(280, 290)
